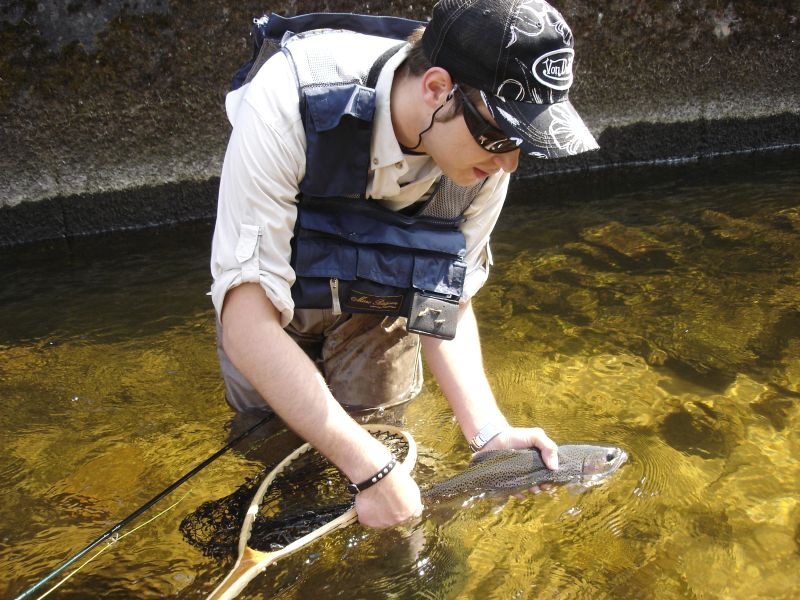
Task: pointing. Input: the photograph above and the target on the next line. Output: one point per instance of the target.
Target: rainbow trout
(506, 469)
(490, 470)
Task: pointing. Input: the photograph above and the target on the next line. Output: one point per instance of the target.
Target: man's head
(517, 55)
(467, 149)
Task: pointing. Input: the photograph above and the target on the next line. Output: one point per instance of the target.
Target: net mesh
(309, 492)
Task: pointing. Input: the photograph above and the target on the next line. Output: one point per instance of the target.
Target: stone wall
(112, 111)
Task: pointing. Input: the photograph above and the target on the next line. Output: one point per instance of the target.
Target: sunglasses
(489, 137)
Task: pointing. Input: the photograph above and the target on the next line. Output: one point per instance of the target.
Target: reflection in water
(657, 313)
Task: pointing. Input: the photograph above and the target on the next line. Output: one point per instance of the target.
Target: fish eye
(611, 455)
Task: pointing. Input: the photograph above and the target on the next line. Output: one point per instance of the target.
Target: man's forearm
(457, 365)
(283, 374)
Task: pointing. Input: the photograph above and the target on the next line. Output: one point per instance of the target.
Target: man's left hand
(527, 437)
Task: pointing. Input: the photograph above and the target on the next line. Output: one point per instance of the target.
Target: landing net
(308, 492)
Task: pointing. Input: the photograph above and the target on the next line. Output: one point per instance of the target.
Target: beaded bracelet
(354, 488)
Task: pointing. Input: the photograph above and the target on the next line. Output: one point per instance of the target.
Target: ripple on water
(521, 550)
(663, 320)
(416, 561)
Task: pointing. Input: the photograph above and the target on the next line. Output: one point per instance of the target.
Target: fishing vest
(351, 254)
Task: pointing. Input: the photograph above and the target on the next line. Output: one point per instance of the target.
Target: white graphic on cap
(527, 20)
(510, 95)
(565, 135)
(554, 69)
(568, 130)
(512, 120)
(524, 92)
(534, 95)
(531, 18)
(560, 25)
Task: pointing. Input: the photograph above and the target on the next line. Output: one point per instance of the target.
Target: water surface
(656, 310)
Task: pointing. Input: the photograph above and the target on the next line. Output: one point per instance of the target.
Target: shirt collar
(385, 150)
(386, 155)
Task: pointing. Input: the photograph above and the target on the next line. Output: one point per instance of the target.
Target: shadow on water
(653, 309)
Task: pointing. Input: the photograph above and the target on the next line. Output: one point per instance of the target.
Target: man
(360, 186)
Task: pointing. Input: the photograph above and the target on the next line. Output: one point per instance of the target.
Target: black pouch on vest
(432, 315)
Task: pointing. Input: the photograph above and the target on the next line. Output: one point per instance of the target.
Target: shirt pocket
(247, 251)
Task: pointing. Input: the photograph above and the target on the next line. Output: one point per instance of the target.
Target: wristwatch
(486, 434)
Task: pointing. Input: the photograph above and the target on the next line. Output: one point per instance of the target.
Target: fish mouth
(620, 459)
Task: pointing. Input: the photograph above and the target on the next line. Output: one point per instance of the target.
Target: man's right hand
(280, 370)
(392, 501)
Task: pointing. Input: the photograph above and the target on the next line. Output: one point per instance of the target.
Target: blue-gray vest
(351, 254)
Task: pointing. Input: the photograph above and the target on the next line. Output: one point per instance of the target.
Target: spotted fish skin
(519, 468)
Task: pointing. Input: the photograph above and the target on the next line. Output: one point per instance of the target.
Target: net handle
(251, 562)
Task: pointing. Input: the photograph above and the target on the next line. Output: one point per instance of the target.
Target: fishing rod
(145, 506)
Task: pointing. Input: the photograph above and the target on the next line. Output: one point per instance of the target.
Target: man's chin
(467, 179)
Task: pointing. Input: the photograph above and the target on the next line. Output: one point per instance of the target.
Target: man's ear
(436, 85)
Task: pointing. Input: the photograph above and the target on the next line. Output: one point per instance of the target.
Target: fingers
(547, 447)
(416, 514)
(527, 437)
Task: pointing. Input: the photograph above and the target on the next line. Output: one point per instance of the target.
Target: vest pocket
(321, 257)
(372, 261)
(336, 118)
(393, 267)
(433, 274)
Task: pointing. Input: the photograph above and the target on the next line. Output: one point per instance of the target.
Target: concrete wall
(111, 112)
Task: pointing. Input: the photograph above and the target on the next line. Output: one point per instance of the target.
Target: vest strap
(377, 66)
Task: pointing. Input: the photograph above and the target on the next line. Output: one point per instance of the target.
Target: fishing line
(114, 539)
(145, 506)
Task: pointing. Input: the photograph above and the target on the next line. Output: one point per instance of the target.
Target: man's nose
(508, 161)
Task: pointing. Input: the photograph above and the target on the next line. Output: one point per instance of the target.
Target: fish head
(598, 462)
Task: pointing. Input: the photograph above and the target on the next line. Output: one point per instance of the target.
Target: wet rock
(776, 409)
(632, 242)
(797, 537)
(792, 216)
(696, 429)
(729, 228)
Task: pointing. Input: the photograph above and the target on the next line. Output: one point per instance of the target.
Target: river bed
(654, 309)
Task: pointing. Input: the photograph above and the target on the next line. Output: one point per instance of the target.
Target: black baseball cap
(519, 53)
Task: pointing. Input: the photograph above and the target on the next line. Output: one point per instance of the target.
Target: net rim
(250, 562)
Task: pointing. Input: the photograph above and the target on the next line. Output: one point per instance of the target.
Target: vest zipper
(337, 308)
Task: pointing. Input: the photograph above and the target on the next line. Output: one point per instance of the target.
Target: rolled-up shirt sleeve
(480, 219)
(257, 207)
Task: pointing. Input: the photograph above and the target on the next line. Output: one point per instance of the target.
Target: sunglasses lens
(504, 145)
(488, 137)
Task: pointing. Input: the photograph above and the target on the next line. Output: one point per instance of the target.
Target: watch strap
(486, 434)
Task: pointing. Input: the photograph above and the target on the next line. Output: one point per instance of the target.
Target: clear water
(656, 310)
